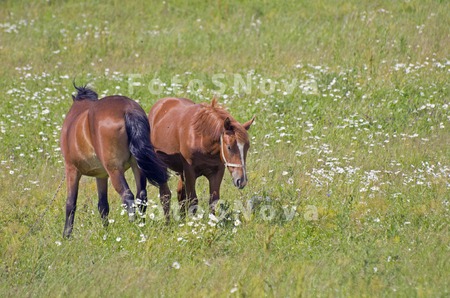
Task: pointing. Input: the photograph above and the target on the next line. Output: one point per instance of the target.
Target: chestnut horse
(106, 137)
(198, 140)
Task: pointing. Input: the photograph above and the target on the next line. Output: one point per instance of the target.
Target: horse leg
(141, 191)
(164, 196)
(73, 179)
(191, 195)
(214, 190)
(121, 186)
(181, 194)
(103, 206)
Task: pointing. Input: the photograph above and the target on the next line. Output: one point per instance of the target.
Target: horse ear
(214, 101)
(227, 124)
(247, 124)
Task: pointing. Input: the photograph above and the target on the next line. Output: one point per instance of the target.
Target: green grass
(357, 146)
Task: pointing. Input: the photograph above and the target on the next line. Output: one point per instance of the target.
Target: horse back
(170, 120)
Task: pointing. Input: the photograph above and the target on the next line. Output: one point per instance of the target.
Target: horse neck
(209, 145)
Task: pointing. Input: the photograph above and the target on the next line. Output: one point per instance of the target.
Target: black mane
(83, 92)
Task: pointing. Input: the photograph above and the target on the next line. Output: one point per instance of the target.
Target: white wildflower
(213, 218)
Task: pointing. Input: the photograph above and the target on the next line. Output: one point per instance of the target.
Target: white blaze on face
(241, 151)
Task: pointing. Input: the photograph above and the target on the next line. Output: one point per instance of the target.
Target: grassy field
(349, 169)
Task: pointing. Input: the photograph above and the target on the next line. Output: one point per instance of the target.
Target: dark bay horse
(104, 138)
(198, 140)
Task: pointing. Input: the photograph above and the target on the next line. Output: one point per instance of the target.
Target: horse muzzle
(240, 181)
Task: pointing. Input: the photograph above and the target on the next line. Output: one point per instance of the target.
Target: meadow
(349, 165)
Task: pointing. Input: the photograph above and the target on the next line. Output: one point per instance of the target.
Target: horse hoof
(105, 222)
(131, 217)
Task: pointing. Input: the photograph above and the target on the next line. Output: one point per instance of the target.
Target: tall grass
(349, 166)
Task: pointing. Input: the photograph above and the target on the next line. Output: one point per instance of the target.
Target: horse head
(234, 145)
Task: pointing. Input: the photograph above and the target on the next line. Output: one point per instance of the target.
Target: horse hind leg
(141, 192)
(73, 179)
(142, 201)
(121, 186)
(165, 196)
(181, 195)
(187, 197)
(103, 205)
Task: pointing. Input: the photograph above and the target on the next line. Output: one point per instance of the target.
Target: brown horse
(106, 137)
(198, 140)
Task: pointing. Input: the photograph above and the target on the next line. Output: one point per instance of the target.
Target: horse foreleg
(103, 206)
(121, 186)
(214, 190)
(73, 179)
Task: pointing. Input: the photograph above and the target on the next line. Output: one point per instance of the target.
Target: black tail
(138, 131)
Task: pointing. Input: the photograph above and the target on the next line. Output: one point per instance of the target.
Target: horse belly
(172, 161)
(91, 167)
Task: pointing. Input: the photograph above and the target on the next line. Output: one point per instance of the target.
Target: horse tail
(138, 130)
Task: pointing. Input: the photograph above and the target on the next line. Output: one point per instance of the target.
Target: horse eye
(229, 147)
